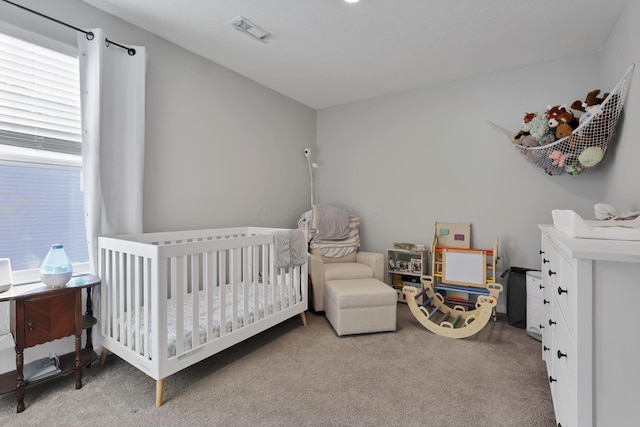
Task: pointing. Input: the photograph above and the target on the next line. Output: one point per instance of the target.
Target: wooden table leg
(20, 386)
(78, 362)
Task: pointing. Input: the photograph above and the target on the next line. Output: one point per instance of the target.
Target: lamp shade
(5, 274)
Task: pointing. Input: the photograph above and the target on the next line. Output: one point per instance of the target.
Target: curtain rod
(131, 51)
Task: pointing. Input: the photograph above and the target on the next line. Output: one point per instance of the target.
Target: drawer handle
(541, 326)
(561, 291)
(544, 301)
(552, 380)
(541, 252)
(561, 354)
(30, 326)
(551, 322)
(545, 348)
(544, 260)
(551, 273)
(541, 287)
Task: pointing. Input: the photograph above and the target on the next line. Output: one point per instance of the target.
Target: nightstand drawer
(48, 319)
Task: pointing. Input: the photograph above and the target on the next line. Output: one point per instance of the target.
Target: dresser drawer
(564, 354)
(548, 281)
(565, 409)
(565, 292)
(48, 319)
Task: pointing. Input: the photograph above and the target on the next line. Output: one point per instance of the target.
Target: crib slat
(246, 284)
(121, 301)
(234, 279)
(137, 304)
(158, 313)
(222, 289)
(298, 285)
(102, 268)
(272, 280)
(264, 260)
(195, 301)
(208, 284)
(114, 295)
(128, 304)
(255, 253)
(177, 283)
(146, 304)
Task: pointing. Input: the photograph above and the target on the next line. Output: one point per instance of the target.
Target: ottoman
(358, 306)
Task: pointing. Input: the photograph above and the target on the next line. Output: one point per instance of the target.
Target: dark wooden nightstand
(41, 314)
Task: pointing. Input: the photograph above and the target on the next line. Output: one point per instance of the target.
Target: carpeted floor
(308, 376)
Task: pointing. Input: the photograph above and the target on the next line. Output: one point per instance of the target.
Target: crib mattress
(265, 301)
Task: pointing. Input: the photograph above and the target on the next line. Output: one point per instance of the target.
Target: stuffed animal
(561, 115)
(526, 123)
(541, 131)
(558, 158)
(573, 169)
(525, 141)
(589, 112)
(523, 136)
(591, 156)
(591, 99)
(563, 130)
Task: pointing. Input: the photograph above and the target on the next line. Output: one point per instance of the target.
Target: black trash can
(517, 296)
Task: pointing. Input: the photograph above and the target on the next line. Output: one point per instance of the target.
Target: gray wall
(408, 160)
(221, 150)
(621, 50)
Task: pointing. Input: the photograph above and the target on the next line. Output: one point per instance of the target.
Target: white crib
(169, 300)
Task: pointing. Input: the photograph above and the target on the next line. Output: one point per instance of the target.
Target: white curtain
(112, 85)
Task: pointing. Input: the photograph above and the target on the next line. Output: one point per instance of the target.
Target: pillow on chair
(347, 258)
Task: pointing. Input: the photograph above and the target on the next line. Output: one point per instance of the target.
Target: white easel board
(464, 267)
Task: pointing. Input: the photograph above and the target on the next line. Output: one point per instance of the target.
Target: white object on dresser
(590, 339)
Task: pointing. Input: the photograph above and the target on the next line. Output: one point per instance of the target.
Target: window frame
(27, 155)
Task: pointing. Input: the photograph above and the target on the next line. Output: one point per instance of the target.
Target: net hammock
(587, 144)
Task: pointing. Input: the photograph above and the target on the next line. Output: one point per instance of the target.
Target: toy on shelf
(461, 294)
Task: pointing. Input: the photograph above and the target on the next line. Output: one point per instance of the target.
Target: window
(41, 202)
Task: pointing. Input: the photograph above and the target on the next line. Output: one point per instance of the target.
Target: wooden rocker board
(456, 322)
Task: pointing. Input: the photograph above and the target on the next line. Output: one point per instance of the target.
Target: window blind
(39, 97)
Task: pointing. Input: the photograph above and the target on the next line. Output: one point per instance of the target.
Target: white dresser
(591, 329)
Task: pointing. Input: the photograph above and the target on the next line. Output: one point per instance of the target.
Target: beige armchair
(333, 251)
(356, 265)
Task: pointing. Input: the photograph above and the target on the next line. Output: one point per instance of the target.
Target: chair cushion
(360, 293)
(347, 270)
(327, 260)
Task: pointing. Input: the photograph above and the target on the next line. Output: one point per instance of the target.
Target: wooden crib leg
(159, 392)
(303, 316)
(103, 356)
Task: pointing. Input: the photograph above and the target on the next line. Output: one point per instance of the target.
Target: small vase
(56, 269)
